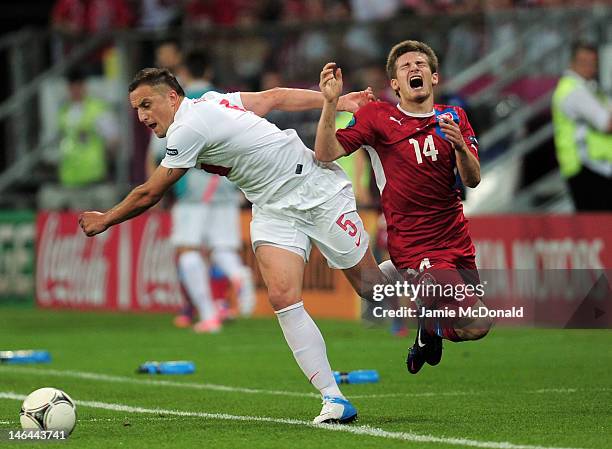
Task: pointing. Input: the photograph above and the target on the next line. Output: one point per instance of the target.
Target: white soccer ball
(48, 409)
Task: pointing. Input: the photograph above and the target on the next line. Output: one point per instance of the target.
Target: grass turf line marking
(215, 387)
(155, 382)
(230, 389)
(358, 430)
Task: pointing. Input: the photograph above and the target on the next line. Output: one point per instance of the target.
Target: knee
(478, 329)
(281, 296)
(482, 330)
(373, 285)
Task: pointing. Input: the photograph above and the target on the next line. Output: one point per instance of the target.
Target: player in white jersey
(296, 200)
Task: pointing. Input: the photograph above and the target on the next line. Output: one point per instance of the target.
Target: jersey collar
(178, 114)
(413, 114)
(182, 107)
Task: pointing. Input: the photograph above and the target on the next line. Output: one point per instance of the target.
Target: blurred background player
(169, 55)
(582, 117)
(205, 221)
(415, 148)
(88, 136)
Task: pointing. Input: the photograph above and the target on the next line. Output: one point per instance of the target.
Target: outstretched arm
(327, 147)
(287, 99)
(138, 200)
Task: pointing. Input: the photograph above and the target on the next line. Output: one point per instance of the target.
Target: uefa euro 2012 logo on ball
(48, 409)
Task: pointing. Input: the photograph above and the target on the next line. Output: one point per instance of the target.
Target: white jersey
(217, 134)
(198, 186)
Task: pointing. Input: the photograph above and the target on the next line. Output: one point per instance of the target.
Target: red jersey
(414, 167)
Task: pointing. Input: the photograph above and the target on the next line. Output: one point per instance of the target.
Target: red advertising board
(543, 241)
(131, 267)
(128, 267)
(557, 267)
(548, 264)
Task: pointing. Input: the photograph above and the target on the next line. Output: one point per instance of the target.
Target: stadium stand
(502, 62)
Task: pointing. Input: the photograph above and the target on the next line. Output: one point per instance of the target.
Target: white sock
(194, 275)
(308, 346)
(231, 265)
(391, 272)
(393, 277)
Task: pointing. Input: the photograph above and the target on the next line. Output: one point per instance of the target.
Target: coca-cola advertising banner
(128, 267)
(557, 267)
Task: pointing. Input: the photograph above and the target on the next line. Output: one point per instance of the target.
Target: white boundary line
(230, 389)
(358, 430)
(154, 382)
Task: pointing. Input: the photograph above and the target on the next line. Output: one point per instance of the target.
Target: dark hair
(155, 77)
(197, 63)
(582, 45)
(76, 75)
(407, 47)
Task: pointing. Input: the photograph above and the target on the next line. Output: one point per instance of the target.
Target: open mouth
(416, 81)
(152, 125)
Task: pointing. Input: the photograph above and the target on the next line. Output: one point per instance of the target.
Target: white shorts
(210, 225)
(334, 227)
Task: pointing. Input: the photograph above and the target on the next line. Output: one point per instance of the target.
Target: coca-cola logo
(71, 268)
(156, 278)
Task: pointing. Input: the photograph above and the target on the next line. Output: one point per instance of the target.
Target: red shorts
(447, 281)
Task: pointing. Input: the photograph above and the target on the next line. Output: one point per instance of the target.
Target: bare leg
(283, 272)
(193, 275)
(365, 275)
(473, 328)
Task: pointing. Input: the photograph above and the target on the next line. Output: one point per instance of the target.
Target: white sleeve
(183, 148)
(581, 104)
(233, 98)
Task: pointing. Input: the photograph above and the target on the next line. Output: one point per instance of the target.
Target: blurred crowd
(76, 16)
(243, 52)
(305, 33)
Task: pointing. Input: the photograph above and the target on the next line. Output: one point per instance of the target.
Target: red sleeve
(359, 131)
(468, 133)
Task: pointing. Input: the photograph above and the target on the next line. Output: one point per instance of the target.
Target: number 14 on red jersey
(428, 150)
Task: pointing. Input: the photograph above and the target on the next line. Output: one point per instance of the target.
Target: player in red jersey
(415, 148)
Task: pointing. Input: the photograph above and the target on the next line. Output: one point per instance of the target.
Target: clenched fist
(92, 223)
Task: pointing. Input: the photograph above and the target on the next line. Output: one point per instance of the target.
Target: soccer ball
(48, 409)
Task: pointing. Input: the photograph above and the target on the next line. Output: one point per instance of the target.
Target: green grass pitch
(526, 387)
